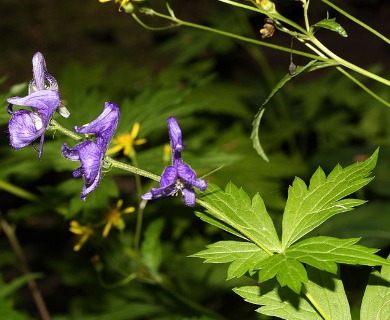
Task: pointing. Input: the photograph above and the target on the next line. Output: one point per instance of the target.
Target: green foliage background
(214, 86)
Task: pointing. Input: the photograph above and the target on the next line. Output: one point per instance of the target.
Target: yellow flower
(125, 4)
(114, 217)
(83, 231)
(126, 142)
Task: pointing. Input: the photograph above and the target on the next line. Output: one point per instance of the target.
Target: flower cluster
(25, 126)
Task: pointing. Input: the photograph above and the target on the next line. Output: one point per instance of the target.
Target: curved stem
(357, 21)
(234, 36)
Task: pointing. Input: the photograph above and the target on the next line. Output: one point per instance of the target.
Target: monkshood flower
(179, 176)
(91, 153)
(25, 126)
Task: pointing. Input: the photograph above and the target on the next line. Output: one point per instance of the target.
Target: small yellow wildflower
(83, 231)
(114, 217)
(125, 4)
(126, 142)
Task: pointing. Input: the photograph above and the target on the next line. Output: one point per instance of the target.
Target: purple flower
(25, 126)
(91, 153)
(179, 176)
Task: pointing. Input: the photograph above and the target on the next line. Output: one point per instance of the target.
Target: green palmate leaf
(324, 252)
(307, 208)
(289, 272)
(323, 296)
(330, 24)
(311, 66)
(242, 255)
(376, 299)
(247, 217)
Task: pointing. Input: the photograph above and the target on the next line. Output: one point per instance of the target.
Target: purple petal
(189, 176)
(104, 126)
(24, 127)
(90, 157)
(44, 102)
(147, 196)
(189, 196)
(168, 177)
(175, 134)
(42, 80)
(200, 184)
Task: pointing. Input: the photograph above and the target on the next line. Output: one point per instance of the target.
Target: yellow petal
(135, 130)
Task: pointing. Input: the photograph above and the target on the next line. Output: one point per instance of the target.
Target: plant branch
(16, 247)
(232, 35)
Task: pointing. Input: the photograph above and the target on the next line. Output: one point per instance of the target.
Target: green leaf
(327, 291)
(151, 246)
(216, 223)
(376, 299)
(330, 24)
(307, 208)
(234, 208)
(311, 66)
(289, 272)
(12, 286)
(324, 252)
(278, 302)
(323, 290)
(242, 255)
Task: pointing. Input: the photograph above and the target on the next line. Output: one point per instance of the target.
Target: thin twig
(16, 247)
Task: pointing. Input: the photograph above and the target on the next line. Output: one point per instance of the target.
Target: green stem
(269, 14)
(227, 220)
(357, 21)
(365, 88)
(232, 35)
(132, 169)
(140, 211)
(55, 126)
(347, 64)
(306, 15)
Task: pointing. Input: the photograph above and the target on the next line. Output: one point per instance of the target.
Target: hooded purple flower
(25, 126)
(179, 176)
(90, 153)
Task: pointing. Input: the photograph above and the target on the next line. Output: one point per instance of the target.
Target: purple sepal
(25, 126)
(90, 157)
(91, 154)
(179, 176)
